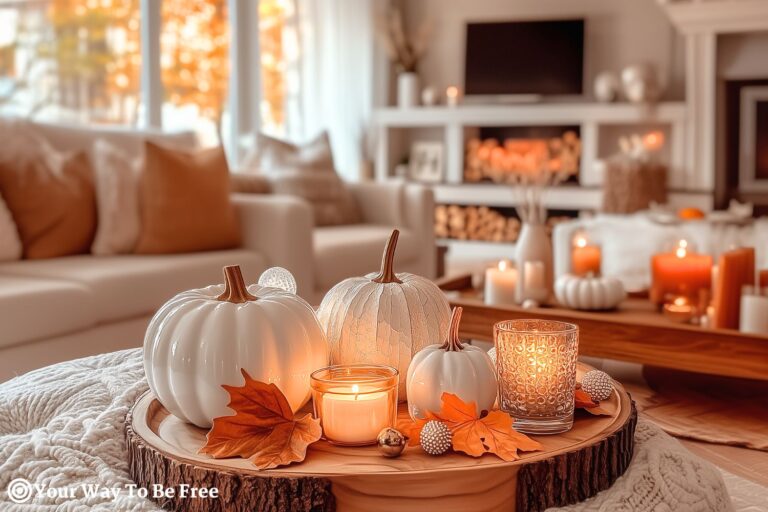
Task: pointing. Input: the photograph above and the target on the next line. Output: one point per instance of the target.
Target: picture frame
(753, 125)
(426, 163)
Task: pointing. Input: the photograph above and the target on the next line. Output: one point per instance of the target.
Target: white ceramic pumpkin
(589, 292)
(464, 370)
(200, 339)
(384, 318)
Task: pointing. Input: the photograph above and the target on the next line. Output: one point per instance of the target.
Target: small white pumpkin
(201, 339)
(464, 370)
(384, 318)
(589, 292)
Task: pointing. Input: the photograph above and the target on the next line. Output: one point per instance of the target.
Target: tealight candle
(585, 257)
(679, 310)
(354, 402)
(536, 370)
(500, 283)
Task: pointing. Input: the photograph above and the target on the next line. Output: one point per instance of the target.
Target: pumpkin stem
(453, 343)
(387, 272)
(235, 290)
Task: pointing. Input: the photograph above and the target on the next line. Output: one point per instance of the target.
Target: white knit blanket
(62, 427)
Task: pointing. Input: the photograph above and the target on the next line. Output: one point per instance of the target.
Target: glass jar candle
(536, 370)
(354, 402)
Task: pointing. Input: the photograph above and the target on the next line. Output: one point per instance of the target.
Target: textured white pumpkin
(464, 370)
(589, 293)
(384, 318)
(200, 339)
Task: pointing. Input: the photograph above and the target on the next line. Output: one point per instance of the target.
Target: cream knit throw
(63, 426)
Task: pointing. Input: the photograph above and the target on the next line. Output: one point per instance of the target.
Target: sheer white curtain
(337, 76)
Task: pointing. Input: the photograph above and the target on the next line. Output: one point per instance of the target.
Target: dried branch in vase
(404, 51)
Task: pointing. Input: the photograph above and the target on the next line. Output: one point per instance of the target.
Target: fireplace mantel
(717, 16)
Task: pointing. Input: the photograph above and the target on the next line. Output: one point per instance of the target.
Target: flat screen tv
(524, 57)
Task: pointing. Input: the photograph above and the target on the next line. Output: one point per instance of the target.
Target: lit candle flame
(680, 301)
(682, 249)
(355, 390)
(503, 265)
(581, 242)
(452, 92)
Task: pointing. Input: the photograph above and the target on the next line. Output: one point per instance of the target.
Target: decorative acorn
(391, 442)
(435, 438)
(597, 384)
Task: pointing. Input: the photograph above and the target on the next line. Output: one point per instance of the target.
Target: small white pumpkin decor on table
(453, 367)
(384, 318)
(589, 292)
(202, 339)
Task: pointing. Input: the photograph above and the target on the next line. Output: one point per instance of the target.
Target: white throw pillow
(116, 179)
(10, 243)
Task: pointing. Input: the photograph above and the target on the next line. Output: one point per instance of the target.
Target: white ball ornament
(278, 277)
(435, 438)
(597, 384)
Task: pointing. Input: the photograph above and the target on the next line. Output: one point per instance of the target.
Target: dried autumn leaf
(583, 400)
(262, 429)
(489, 433)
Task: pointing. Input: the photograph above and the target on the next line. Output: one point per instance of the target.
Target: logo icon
(20, 491)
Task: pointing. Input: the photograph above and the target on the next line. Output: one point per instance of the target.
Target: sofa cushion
(37, 308)
(355, 250)
(127, 286)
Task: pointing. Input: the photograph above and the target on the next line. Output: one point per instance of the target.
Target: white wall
(618, 33)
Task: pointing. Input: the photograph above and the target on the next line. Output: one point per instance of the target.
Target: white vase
(533, 245)
(407, 90)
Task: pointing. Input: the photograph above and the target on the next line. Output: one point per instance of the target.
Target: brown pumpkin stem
(453, 343)
(235, 290)
(387, 272)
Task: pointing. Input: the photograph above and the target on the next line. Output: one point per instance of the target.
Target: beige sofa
(58, 309)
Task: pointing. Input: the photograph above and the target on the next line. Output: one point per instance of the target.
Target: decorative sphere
(391, 442)
(597, 384)
(607, 86)
(278, 277)
(435, 438)
(530, 304)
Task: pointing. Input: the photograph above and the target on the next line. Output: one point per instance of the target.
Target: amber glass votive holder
(536, 370)
(355, 402)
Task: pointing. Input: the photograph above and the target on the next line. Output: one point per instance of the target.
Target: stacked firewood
(475, 223)
(479, 223)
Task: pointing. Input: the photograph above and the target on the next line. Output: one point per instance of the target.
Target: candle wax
(679, 273)
(500, 284)
(585, 259)
(354, 418)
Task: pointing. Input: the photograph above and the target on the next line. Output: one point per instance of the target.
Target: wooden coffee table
(635, 332)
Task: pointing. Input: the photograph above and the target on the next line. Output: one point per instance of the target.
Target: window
(82, 61)
(72, 61)
(194, 59)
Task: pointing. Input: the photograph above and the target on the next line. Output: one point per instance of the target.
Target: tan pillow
(116, 177)
(307, 171)
(249, 183)
(50, 196)
(185, 202)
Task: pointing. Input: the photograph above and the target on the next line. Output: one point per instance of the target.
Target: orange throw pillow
(185, 202)
(52, 200)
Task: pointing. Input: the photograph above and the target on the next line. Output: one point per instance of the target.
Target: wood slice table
(572, 467)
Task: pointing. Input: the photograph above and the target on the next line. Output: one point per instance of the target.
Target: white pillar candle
(534, 284)
(500, 284)
(350, 415)
(754, 314)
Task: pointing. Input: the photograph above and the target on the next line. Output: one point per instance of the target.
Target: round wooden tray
(572, 467)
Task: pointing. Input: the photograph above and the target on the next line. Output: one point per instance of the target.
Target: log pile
(475, 223)
(480, 223)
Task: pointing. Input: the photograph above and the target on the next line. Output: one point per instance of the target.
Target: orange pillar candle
(764, 278)
(585, 258)
(735, 269)
(681, 272)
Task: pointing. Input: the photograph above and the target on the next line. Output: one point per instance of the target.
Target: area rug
(62, 426)
(712, 409)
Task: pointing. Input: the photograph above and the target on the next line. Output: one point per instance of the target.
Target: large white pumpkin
(464, 370)
(589, 292)
(384, 318)
(200, 339)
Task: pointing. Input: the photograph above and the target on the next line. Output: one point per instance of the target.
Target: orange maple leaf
(263, 428)
(583, 400)
(475, 434)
